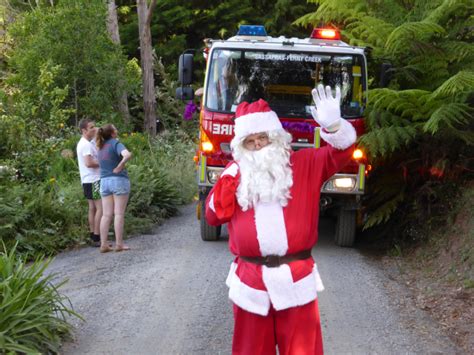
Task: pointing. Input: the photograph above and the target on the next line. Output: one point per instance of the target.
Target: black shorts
(92, 190)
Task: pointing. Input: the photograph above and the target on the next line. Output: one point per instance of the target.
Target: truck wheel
(208, 232)
(345, 228)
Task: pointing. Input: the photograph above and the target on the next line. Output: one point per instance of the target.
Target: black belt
(276, 260)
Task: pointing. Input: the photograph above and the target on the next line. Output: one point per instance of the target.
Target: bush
(41, 218)
(162, 178)
(32, 311)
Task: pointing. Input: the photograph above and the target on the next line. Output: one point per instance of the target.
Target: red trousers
(296, 331)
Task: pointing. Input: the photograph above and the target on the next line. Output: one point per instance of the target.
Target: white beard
(265, 176)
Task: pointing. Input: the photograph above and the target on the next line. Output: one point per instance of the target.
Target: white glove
(327, 112)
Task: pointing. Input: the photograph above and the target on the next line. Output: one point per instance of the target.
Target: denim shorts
(114, 185)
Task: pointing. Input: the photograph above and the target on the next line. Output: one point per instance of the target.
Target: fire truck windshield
(284, 80)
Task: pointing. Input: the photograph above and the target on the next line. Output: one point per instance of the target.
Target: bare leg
(97, 216)
(91, 215)
(120, 204)
(107, 213)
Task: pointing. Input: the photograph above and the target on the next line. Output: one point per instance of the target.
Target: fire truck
(283, 71)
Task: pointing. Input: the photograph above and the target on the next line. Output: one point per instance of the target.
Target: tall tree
(145, 13)
(112, 27)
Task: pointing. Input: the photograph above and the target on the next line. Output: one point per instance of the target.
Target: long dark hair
(104, 133)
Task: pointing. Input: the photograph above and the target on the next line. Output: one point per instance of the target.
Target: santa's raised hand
(327, 112)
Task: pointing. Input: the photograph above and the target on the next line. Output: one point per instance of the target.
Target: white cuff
(232, 170)
(343, 138)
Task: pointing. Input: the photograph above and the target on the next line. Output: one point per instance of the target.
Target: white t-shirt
(84, 148)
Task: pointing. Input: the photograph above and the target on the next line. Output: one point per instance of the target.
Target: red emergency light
(326, 33)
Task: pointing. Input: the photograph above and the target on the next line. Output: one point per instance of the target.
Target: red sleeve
(326, 161)
(334, 159)
(221, 201)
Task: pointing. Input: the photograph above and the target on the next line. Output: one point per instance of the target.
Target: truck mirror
(386, 71)
(185, 93)
(186, 68)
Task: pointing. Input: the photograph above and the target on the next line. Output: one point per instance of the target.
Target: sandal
(119, 248)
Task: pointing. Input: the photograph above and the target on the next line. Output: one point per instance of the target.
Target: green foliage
(46, 212)
(72, 39)
(420, 129)
(169, 109)
(162, 177)
(183, 24)
(41, 218)
(32, 311)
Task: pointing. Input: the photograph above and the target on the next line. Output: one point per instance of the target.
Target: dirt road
(167, 296)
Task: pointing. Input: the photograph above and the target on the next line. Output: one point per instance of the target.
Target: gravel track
(167, 296)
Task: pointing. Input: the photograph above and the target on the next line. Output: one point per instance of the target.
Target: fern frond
(447, 10)
(403, 36)
(382, 214)
(378, 119)
(450, 114)
(458, 51)
(406, 104)
(326, 12)
(467, 136)
(462, 82)
(371, 30)
(386, 140)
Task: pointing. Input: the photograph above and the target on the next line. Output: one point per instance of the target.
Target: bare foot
(121, 248)
(105, 249)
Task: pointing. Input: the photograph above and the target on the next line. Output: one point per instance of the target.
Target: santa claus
(269, 196)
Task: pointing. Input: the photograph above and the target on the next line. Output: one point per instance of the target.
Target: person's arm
(90, 162)
(126, 156)
(337, 132)
(221, 201)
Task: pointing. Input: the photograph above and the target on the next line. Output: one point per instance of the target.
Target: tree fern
(460, 82)
(404, 35)
(428, 106)
(386, 140)
(383, 213)
(447, 9)
(452, 115)
(458, 51)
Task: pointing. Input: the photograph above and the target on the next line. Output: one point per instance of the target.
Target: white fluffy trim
(211, 203)
(271, 230)
(232, 170)
(250, 299)
(255, 123)
(342, 138)
(282, 291)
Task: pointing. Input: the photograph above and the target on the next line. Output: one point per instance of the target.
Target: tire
(345, 228)
(208, 233)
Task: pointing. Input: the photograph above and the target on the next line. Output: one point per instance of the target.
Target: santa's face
(256, 141)
(265, 173)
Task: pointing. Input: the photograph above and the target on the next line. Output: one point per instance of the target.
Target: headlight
(343, 184)
(213, 175)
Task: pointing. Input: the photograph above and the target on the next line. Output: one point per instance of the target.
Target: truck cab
(282, 71)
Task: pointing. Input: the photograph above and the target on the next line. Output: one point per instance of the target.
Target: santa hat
(254, 118)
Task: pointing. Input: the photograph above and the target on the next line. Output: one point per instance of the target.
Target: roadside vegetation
(58, 65)
(421, 143)
(33, 312)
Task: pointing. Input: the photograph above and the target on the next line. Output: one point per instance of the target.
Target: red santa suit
(270, 229)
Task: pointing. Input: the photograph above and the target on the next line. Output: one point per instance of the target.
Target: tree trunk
(146, 54)
(113, 29)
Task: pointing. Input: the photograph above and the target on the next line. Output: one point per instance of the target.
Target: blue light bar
(251, 30)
